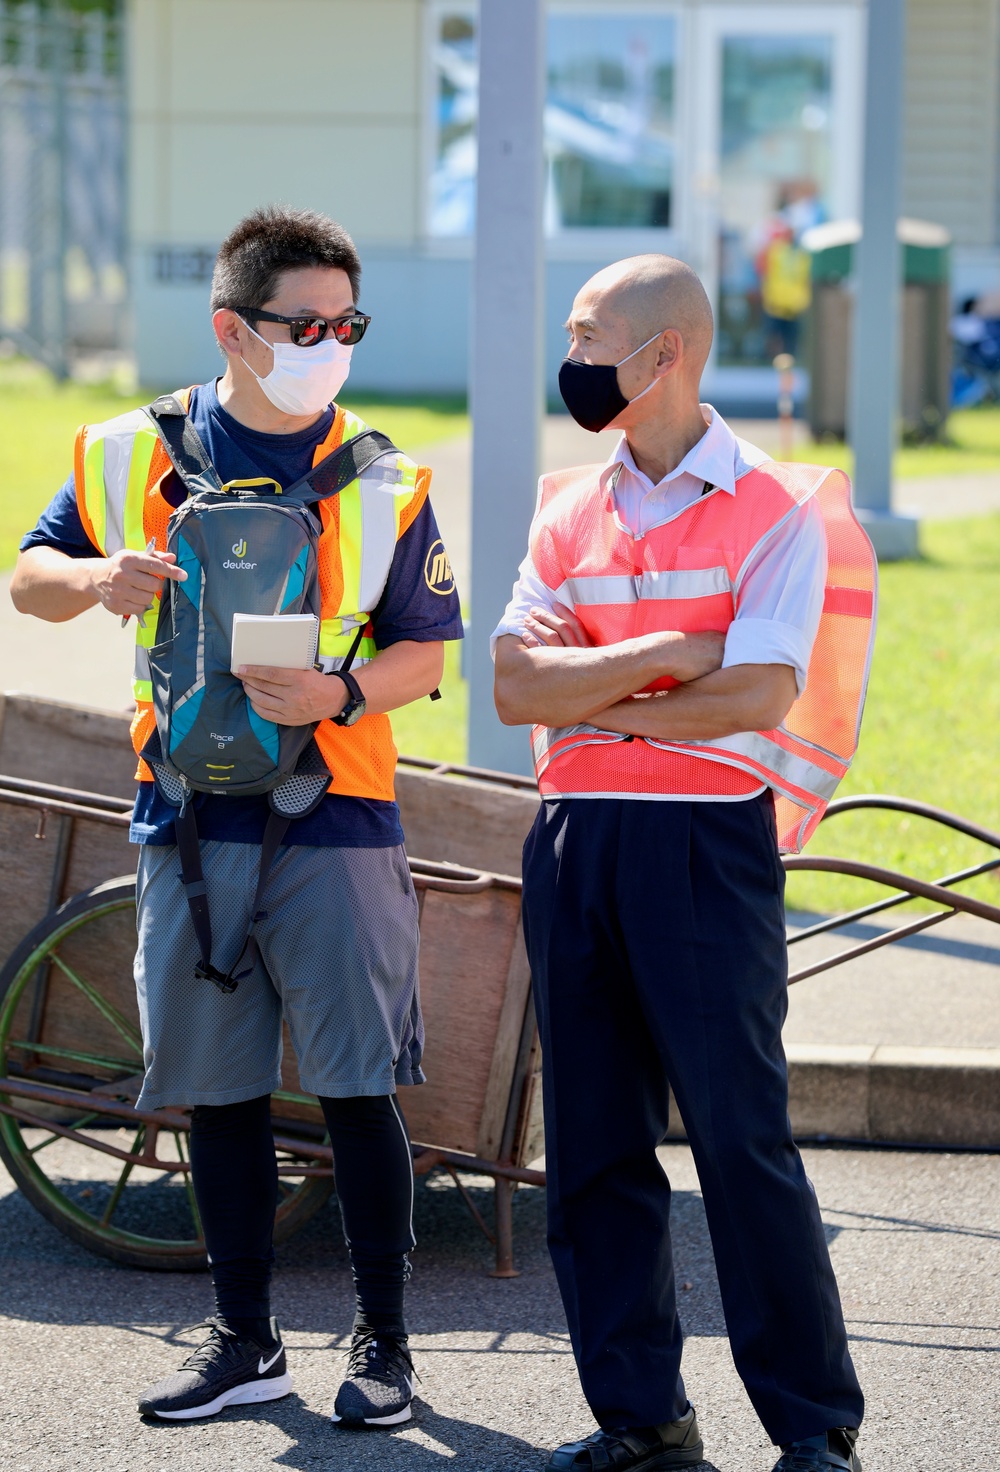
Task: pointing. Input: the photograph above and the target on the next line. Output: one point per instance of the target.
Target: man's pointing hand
(127, 582)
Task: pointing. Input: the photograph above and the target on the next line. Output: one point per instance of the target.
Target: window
(609, 120)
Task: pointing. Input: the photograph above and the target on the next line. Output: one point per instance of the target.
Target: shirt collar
(712, 459)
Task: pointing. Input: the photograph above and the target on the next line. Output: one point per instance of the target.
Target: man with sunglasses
(338, 940)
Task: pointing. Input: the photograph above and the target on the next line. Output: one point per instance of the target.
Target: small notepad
(288, 641)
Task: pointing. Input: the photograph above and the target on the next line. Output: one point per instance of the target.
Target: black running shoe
(224, 1371)
(379, 1384)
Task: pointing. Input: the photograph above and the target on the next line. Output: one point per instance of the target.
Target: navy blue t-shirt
(408, 609)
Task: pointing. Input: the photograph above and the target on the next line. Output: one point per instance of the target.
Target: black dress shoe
(631, 1448)
(832, 1451)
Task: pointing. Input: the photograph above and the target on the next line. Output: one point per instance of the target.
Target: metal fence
(63, 263)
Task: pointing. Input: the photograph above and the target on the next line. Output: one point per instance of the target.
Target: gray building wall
(213, 134)
(952, 130)
(418, 340)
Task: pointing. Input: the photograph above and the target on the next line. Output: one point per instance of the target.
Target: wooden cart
(118, 1179)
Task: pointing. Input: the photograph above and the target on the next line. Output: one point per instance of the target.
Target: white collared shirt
(780, 600)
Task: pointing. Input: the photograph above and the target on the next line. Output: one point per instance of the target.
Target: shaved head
(648, 294)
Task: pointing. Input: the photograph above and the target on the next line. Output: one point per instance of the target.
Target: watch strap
(354, 690)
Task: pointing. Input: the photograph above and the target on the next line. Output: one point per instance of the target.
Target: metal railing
(903, 887)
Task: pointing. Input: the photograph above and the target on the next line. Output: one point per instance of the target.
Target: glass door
(780, 130)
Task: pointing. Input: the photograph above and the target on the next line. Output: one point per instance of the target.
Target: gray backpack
(245, 550)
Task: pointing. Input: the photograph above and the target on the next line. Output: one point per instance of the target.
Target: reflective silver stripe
(378, 532)
(583, 592)
(350, 623)
(544, 738)
(198, 686)
(834, 756)
(558, 795)
(141, 670)
(684, 582)
(784, 764)
(330, 662)
(119, 437)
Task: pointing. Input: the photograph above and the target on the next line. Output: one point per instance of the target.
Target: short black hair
(272, 240)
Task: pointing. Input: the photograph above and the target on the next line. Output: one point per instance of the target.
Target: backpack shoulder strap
(183, 444)
(192, 463)
(342, 466)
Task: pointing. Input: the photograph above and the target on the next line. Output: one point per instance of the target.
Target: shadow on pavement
(451, 1290)
(419, 1445)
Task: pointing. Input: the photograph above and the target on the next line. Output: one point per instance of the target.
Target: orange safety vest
(686, 574)
(120, 469)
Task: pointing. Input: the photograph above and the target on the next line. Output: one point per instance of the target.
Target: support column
(507, 376)
(875, 377)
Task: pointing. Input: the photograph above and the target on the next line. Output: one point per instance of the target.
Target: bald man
(688, 571)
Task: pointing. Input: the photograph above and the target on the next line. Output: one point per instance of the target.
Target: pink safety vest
(686, 574)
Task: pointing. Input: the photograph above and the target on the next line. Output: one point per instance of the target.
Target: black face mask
(590, 390)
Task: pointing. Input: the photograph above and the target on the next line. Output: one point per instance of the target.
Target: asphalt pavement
(915, 1240)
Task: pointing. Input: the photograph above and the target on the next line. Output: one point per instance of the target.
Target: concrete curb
(891, 1095)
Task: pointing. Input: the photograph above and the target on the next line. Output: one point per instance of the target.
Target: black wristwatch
(355, 707)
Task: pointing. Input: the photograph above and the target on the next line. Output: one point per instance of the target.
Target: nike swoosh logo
(262, 1369)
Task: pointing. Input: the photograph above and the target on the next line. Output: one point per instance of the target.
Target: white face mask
(304, 380)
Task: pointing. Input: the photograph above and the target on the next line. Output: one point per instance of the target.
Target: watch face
(353, 711)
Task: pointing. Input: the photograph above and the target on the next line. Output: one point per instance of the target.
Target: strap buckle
(205, 971)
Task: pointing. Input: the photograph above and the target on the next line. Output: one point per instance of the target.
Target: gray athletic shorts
(337, 956)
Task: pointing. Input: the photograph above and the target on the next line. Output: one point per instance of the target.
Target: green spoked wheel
(114, 1180)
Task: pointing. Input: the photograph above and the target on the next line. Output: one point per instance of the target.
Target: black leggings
(235, 1180)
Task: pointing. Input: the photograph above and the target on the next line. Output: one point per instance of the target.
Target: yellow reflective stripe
(350, 548)
(134, 528)
(335, 640)
(145, 638)
(93, 488)
(330, 662)
(351, 545)
(370, 512)
(353, 425)
(116, 462)
(135, 492)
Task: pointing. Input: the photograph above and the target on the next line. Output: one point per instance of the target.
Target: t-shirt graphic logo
(437, 570)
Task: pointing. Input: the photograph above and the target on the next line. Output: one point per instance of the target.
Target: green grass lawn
(931, 729)
(972, 446)
(39, 419)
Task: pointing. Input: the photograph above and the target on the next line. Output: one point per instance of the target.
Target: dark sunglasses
(306, 332)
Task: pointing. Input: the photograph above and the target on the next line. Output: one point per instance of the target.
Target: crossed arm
(52, 586)
(553, 676)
